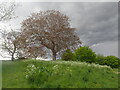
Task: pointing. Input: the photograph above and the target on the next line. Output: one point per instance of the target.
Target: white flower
(26, 76)
(33, 65)
(56, 66)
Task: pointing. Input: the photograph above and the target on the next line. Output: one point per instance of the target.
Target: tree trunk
(35, 58)
(12, 58)
(54, 55)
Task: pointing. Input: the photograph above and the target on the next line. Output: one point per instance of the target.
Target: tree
(100, 59)
(52, 30)
(35, 51)
(85, 54)
(10, 42)
(68, 55)
(112, 61)
(7, 10)
(7, 13)
(28, 49)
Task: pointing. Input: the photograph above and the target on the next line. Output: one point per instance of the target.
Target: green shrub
(68, 55)
(85, 54)
(100, 59)
(112, 61)
(37, 75)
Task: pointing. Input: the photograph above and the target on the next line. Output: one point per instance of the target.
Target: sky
(96, 23)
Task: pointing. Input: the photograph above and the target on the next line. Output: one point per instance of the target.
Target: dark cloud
(107, 48)
(96, 22)
(100, 24)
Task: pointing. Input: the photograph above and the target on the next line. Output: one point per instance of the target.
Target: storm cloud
(96, 23)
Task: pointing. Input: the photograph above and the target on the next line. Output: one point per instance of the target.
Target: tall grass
(58, 74)
(0, 74)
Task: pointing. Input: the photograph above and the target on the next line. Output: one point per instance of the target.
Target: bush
(37, 75)
(22, 58)
(68, 55)
(112, 61)
(100, 59)
(40, 75)
(85, 54)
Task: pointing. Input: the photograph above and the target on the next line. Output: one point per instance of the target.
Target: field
(69, 74)
(0, 74)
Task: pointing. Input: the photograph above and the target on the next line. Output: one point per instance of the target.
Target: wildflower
(33, 65)
(55, 67)
(26, 76)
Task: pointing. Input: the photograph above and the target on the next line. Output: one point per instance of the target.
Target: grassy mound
(65, 74)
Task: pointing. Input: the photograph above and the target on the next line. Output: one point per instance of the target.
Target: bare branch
(7, 10)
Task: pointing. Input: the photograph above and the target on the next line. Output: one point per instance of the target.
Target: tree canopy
(50, 29)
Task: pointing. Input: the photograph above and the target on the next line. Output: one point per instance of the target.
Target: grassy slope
(83, 76)
(0, 74)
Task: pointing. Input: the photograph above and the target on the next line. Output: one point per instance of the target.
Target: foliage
(50, 29)
(36, 74)
(29, 50)
(40, 75)
(85, 54)
(100, 59)
(68, 55)
(112, 61)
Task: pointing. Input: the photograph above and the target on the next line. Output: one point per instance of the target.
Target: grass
(13, 74)
(0, 74)
(82, 75)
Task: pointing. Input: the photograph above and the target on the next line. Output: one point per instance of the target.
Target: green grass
(82, 75)
(0, 74)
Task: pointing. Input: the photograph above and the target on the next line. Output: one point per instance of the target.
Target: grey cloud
(107, 48)
(100, 24)
(96, 22)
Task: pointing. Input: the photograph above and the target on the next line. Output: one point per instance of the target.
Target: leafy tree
(100, 59)
(50, 29)
(85, 54)
(68, 55)
(29, 50)
(112, 61)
